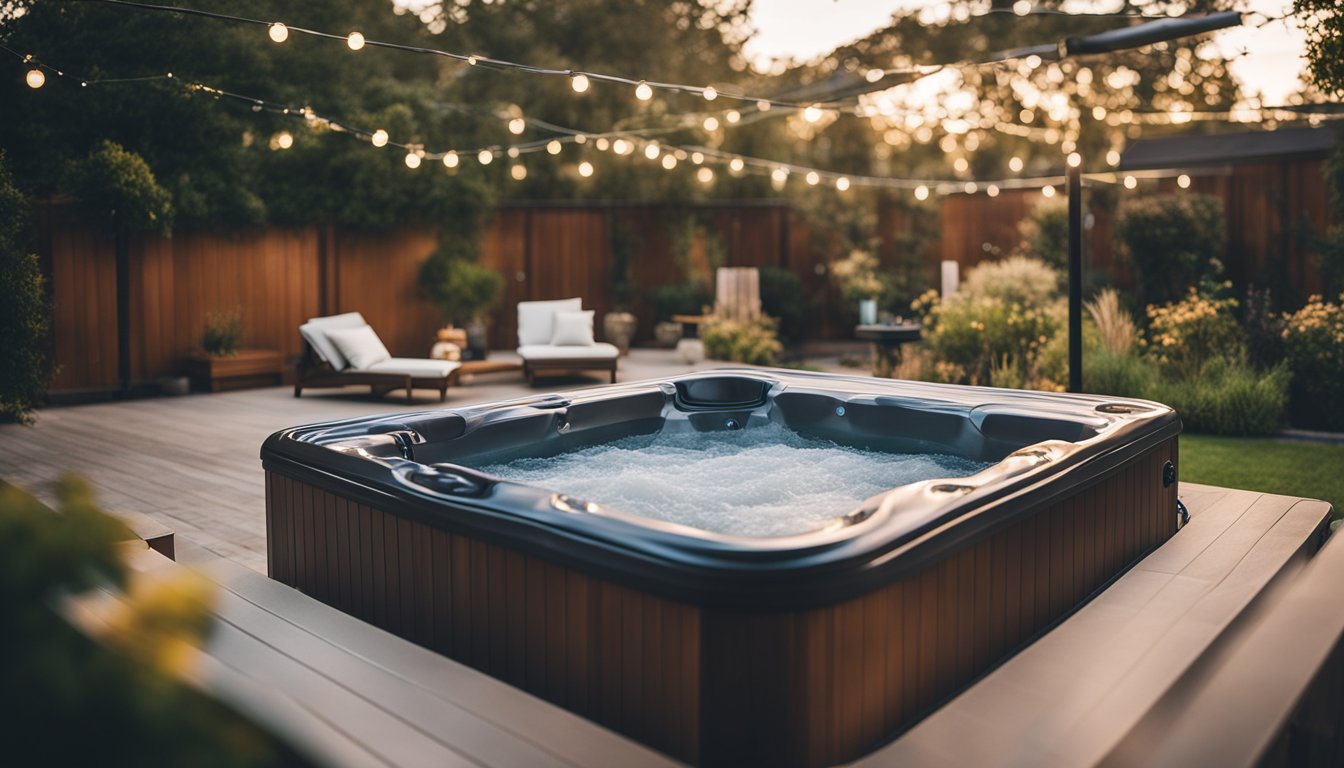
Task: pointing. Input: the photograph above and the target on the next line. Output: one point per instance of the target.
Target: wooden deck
(192, 462)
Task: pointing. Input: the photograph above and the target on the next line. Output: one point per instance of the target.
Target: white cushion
(573, 329)
(315, 333)
(361, 346)
(599, 350)
(536, 319)
(416, 366)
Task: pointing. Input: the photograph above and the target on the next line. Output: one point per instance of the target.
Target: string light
(704, 175)
(736, 165)
(602, 143)
(485, 157)
(710, 93)
(697, 157)
(518, 171)
(921, 192)
(1074, 160)
(284, 140)
(992, 190)
(379, 138)
(779, 175)
(1015, 164)
(35, 78)
(355, 41)
(553, 147)
(513, 153)
(732, 116)
(873, 75)
(812, 114)
(711, 124)
(813, 178)
(669, 161)
(1022, 7)
(279, 32)
(1048, 191)
(970, 188)
(412, 160)
(1112, 157)
(450, 160)
(517, 125)
(1183, 181)
(1131, 182)
(842, 184)
(651, 151)
(579, 82)
(585, 169)
(643, 92)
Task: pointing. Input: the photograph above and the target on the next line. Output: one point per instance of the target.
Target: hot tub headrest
(721, 392)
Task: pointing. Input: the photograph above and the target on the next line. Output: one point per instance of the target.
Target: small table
(498, 365)
(244, 369)
(887, 340)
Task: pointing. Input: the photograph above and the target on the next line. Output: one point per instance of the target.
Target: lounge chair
(341, 350)
(557, 337)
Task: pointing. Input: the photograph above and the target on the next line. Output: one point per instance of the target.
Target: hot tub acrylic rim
(991, 482)
(713, 568)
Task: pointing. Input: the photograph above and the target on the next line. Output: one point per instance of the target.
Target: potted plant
(462, 289)
(619, 325)
(223, 333)
(223, 364)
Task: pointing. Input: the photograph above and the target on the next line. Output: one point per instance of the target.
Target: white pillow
(573, 329)
(361, 346)
(535, 319)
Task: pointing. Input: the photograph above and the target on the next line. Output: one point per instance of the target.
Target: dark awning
(1220, 149)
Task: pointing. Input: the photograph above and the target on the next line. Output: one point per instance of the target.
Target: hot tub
(788, 647)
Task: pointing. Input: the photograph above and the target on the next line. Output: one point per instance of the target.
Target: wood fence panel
(84, 291)
(570, 255)
(378, 275)
(504, 249)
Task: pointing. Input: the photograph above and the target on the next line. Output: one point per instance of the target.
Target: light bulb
(921, 192)
(1131, 182)
(697, 157)
(579, 138)
(553, 146)
(1183, 181)
(513, 152)
(585, 169)
(1048, 191)
(517, 125)
(1033, 61)
(736, 165)
(992, 190)
(579, 83)
(518, 171)
(279, 32)
(780, 175)
(379, 138)
(812, 114)
(813, 178)
(450, 160)
(960, 165)
(620, 146)
(472, 59)
(35, 78)
(711, 123)
(763, 105)
(643, 92)
(842, 183)
(733, 116)
(669, 161)
(1112, 158)
(1074, 160)
(485, 157)
(1015, 164)
(284, 140)
(970, 188)
(873, 75)
(412, 160)
(704, 175)
(651, 151)
(355, 41)
(1022, 7)
(710, 93)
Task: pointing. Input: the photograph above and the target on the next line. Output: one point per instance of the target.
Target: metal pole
(1075, 187)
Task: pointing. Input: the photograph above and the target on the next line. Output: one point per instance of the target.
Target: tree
(24, 311)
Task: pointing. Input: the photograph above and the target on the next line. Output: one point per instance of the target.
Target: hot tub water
(766, 481)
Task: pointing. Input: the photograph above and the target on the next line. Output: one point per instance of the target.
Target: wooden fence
(280, 277)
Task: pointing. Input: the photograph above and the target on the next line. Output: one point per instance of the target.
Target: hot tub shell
(721, 650)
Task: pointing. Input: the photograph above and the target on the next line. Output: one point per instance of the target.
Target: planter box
(249, 368)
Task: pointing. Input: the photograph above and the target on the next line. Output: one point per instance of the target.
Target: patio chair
(557, 337)
(342, 350)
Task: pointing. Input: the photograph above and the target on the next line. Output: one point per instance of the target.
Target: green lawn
(1314, 470)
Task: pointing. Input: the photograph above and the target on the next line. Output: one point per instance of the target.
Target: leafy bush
(1173, 241)
(223, 333)
(782, 299)
(1314, 348)
(1045, 233)
(996, 327)
(1264, 329)
(119, 183)
(459, 287)
(688, 298)
(858, 276)
(1125, 375)
(66, 700)
(1185, 336)
(1229, 398)
(24, 312)
(751, 343)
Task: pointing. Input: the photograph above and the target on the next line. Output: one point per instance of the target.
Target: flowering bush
(1173, 240)
(1314, 345)
(751, 343)
(993, 331)
(858, 277)
(1183, 337)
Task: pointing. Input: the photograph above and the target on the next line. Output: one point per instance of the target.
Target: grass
(1313, 470)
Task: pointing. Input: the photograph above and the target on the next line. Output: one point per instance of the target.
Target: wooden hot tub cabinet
(811, 686)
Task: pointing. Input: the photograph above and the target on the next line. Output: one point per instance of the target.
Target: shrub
(24, 312)
(120, 184)
(1264, 329)
(1116, 331)
(1173, 241)
(750, 343)
(782, 299)
(1314, 348)
(996, 327)
(858, 277)
(223, 333)
(688, 298)
(459, 287)
(1187, 335)
(1127, 375)
(1045, 233)
(1230, 398)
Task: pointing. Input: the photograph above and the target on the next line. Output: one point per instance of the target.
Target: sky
(804, 29)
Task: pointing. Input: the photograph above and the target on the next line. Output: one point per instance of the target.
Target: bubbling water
(766, 481)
